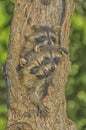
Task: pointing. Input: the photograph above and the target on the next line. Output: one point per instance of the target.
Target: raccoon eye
(45, 61)
(40, 39)
(34, 70)
(56, 60)
(53, 39)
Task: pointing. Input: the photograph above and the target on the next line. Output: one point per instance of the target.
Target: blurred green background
(76, 85)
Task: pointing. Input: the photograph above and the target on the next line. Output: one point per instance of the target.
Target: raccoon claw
(43, 112)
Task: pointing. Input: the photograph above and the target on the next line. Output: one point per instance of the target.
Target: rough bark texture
(22, 114)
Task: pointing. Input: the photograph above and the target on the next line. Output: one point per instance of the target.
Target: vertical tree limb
(55, 15)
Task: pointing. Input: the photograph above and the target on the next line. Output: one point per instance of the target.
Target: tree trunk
(38, 65)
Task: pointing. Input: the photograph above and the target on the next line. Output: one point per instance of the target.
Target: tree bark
(36, 21)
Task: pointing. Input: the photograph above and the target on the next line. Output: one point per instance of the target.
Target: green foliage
(6, 13)
(76, 85)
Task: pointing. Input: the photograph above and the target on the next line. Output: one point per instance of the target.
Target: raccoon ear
(56, 28)
(23, 62)
(35, 28)
(64, 50)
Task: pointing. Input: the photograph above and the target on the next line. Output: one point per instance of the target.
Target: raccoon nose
(52, 68)
(46, 72)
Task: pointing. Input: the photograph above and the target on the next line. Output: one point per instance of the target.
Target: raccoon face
(45, 55)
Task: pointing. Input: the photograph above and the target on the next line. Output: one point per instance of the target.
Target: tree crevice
(38, 65)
